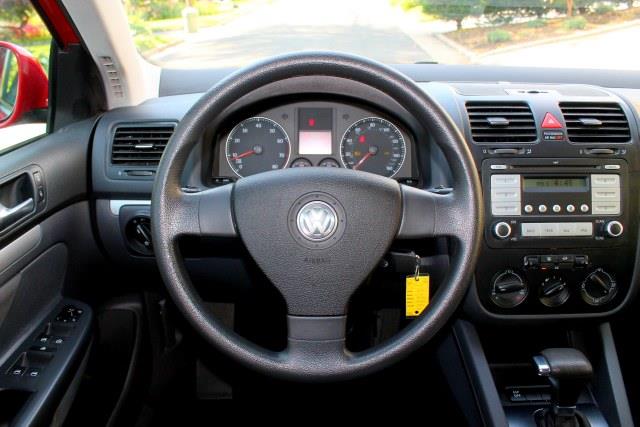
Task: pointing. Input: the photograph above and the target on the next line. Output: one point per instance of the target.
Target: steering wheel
(317, 233)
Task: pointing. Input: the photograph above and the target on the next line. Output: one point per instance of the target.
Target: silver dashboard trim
(115, 205)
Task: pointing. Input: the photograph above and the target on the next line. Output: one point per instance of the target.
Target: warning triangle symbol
(550, 122)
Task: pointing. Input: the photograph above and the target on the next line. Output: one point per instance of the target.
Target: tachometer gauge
(373, 145)
(257, 145)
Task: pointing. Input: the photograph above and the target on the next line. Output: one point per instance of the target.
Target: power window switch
(57, 340)
(17, 371)
(43, 339)
(43, 348)
(33, 373)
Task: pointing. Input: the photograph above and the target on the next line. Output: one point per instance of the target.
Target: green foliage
(577, 23)
(406, 4)
(16, 12)
(537, 23)
(500, 12)
(156, 9)
(455, 10)
(207, 7)
(498, 36)
(603, 9)
(579, 6)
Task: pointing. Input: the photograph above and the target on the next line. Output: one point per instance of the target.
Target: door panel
(46, 254)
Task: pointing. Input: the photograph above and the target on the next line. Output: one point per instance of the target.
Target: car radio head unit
(535, 202)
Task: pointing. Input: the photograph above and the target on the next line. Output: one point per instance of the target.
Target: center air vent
(501, 122)
(590, 122)
(140, 145)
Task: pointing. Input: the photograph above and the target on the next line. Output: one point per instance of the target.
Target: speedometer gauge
(257, 145)
(373, 145)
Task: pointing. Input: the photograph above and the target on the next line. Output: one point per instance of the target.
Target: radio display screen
(541, 184)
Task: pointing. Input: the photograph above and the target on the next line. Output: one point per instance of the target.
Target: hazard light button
(550, 122)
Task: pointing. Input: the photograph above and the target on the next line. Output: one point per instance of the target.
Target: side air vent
(496, 122)
(590, 122)
(140, 145)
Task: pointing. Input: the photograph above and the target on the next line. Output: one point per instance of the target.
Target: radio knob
(614, 229)
(502, 230)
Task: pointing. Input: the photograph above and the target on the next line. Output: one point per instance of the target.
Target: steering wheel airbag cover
(317, 281)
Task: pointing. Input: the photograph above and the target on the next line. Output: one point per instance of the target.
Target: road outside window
(532, 33)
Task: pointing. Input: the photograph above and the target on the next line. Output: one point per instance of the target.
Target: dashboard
(559, 164)
(314, 134)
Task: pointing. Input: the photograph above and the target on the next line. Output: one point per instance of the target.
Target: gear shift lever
(568, 371)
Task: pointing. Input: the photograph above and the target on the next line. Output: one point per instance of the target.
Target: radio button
(498, 167)
(571, 208)
(567, 229)
(566, 258)
(612, 167)
(614, 229)
(581, 260)
(556, 208)
(528, 208)
(530, 229)
(584, 208)
(542, 208)
(502, 230)
(605, 194)
(549, 229)
(605, 180)
(505, 208)
(583, 228)
(505, 194)
(606, 208)
(505, 180)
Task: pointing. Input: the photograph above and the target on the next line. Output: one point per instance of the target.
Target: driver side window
(25, 43)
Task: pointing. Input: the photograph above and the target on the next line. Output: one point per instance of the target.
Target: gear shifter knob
(568, 371)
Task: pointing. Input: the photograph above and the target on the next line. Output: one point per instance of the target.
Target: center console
(559, 235)
(559, 168)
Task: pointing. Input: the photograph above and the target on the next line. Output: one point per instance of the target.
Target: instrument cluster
(315, 134)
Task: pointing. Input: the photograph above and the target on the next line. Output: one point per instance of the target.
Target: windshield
(543, 33)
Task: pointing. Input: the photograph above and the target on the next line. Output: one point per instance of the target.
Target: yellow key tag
(416, 294)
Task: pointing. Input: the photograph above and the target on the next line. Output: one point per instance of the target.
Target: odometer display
(257, 145)
(373, 145)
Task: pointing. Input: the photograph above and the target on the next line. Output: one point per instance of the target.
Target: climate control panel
(551, 283)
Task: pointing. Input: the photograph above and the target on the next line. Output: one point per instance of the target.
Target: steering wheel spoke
(205, 214)
(428, 214)
(316, 343)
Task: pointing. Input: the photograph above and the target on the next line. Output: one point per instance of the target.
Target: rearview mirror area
(24, 86)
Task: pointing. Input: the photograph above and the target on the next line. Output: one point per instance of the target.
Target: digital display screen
(314, 142)
(315, 131)
(556, 184)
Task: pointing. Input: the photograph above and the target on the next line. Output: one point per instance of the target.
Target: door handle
(10, 215)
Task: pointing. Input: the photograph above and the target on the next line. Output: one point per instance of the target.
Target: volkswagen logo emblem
(317, 221)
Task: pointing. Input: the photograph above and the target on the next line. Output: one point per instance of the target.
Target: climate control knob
(598, 288)
(614, 229)
(554, 291)
(508, 289)
(502, 230)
